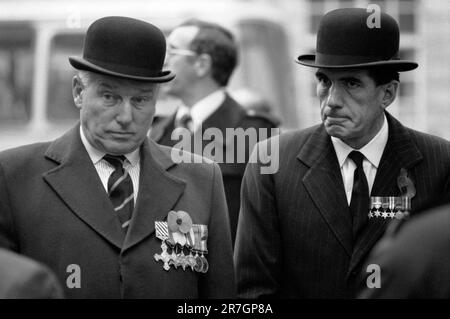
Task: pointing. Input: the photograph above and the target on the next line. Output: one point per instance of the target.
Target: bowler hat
(126, 48)
(349, 38)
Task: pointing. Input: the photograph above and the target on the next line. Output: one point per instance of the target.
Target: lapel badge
(405, 184)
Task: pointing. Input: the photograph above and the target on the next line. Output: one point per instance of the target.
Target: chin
(120, 149)
(335, 131)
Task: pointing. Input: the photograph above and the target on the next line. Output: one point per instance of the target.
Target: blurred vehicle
(36, 38)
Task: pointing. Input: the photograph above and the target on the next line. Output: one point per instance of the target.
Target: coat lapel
(76, 181)
(400, 152)
(324, 184)
(158, 193)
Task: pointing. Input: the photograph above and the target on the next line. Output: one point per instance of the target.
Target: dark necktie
(359, 204)
(120, 190)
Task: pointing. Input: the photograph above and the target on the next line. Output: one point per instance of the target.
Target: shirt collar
(201, 110)
(97, 155)
(372, 150)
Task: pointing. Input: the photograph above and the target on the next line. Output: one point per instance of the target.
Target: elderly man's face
(180, 59)
(115, 113)
(351, 104)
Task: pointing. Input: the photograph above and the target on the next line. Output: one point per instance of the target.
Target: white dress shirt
(201, 110)
(372, 152)
(104, 169)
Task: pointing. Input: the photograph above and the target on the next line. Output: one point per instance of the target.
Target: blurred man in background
(305, 231)
(204, 55)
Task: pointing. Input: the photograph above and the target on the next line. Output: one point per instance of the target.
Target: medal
(180, 240)
(200, 240)
(205, 264)
(191, 260)
(389, 207)
(162, 233)
(198, 263)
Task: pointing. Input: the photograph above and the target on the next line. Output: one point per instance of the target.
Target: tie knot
(356, 157)
(115, 160)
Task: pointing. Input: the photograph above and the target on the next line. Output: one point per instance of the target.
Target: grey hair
(85, 77)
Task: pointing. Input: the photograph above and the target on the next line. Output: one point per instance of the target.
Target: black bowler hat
(126, 48)
(345, 40)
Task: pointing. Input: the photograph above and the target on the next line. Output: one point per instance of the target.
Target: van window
(16, 72)
(60, 101)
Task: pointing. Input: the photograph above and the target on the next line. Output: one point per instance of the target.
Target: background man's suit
(23, 278)
(53, 208)
(229, 115)
(304, 207)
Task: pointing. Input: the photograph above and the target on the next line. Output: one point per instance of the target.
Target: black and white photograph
(225, 156)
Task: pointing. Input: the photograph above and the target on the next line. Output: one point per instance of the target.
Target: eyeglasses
(185, 52)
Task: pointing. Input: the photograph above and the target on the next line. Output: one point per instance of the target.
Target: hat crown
(124, 47)
(349, 32)
(357, 38)
(125, 41)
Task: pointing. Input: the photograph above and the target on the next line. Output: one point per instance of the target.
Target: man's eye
(323, 81)
(140, 100)
(352, 84)
(108, 97)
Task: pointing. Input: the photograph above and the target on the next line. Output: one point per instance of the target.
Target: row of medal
(187, 253)
(389, 207)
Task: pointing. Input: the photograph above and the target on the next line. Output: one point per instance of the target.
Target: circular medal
(205, 266)
(198, 263)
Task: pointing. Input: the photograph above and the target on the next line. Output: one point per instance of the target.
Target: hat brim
(398, 65)
(82, 64)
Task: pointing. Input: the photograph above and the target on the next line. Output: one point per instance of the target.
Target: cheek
(96, 118)
(322, 95)
(143, 118)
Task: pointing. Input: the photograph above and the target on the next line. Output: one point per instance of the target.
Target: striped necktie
(120, 190)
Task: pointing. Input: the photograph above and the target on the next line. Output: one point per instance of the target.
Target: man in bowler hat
(204, 55)
(304, 231)
(105, 208)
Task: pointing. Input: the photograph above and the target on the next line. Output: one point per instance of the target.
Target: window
(16, 73)
(60, 100)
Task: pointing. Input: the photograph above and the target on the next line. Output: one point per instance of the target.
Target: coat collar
(75, 180)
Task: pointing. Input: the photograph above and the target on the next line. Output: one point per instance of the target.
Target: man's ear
(77, 91)
(203, 65)
(389, 93)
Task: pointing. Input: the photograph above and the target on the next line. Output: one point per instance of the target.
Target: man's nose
(334, 98)
(125, 113)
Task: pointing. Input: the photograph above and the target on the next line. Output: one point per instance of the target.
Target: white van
(36, 38)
